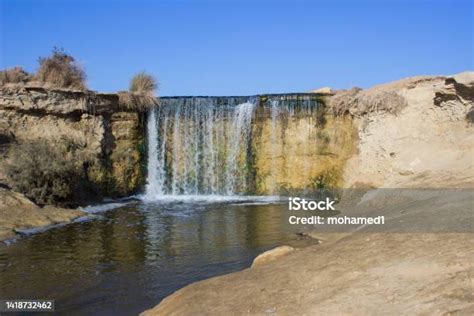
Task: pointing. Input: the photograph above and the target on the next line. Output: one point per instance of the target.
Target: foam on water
(99, 208)
(240, 199)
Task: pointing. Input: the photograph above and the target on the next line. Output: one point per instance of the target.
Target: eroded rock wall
(108, 142)
(429, 143)
(299, 153)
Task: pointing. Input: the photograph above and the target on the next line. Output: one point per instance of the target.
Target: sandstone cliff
(109, 141)
(427, 140)
(299, 152)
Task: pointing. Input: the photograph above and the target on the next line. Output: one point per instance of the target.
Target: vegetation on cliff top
(60, 70)
(15, 75)
(141, 94)
(143, 83)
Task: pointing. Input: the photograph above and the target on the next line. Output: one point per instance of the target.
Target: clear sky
(242, 47)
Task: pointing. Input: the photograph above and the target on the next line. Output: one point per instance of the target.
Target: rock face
(109, 141)
(416, 132)
(127, 155)
(429, 142)
(57, 102)
(297, 154)
(18, 212)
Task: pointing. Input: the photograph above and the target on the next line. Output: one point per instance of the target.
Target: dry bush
(45, 173)
(14, 75)
(136, 101)
(143, 83)
(141, 96)
(60, 70)
(359, 102)
(327, 179)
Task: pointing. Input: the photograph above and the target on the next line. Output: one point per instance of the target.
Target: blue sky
(242, 47)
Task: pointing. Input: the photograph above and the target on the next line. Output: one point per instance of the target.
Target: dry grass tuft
(60, 70)
(14, 75)
(136, 101)
(143, 83)
(359, 102)
(141, 95)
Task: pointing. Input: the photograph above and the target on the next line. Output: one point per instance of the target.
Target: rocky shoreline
(18, 213)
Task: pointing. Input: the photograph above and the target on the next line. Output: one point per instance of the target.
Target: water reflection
(130, 258)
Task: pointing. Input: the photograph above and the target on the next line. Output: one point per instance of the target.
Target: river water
(126, 260)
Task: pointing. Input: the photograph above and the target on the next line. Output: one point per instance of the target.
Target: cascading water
(238, 141)
(155, 179)
(199, 146)
(205, 145)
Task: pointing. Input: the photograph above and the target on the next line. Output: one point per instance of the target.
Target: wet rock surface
(18, 213)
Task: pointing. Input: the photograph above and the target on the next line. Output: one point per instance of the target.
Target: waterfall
(239, 133)
(199, 146)
(154, 187)
(206, 145)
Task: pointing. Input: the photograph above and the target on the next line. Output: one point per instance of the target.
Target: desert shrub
(14, 75)
(45, 173)
(141, 94)
(143, 83)
(60, 70)
(329, 178)
(136, 101)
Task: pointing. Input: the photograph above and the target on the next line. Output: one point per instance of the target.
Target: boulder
(271, 255)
